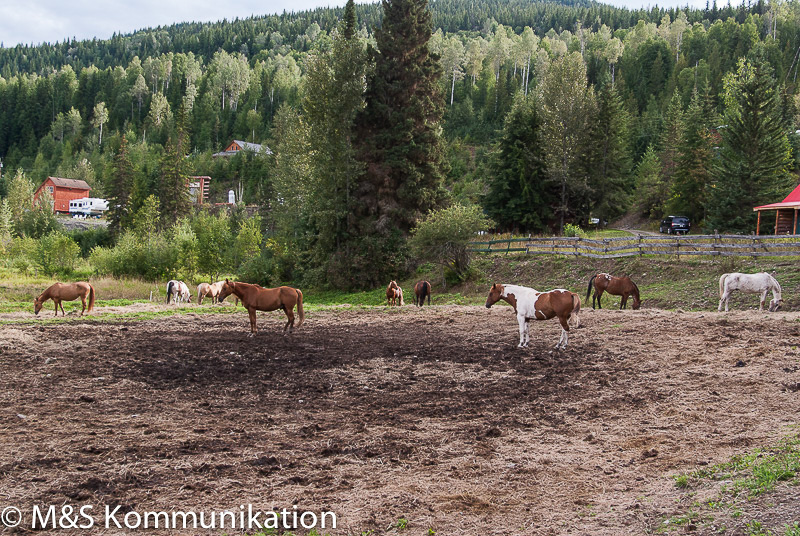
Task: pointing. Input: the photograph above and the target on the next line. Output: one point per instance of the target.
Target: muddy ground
(430, 415)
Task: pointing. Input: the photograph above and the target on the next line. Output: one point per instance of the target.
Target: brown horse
(67, 292)
(391, 294)
(422, 289)
(255, 298)
(619, 286)
(530, 304)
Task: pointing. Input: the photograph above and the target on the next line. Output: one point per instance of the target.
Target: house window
(50, 189)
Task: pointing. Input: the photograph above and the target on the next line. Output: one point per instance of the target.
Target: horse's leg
(289, 320)
(83, 303)
(253, 327)
(597, 294)
(55, 302)
(522, 326)
(623, 303)
(763, 299)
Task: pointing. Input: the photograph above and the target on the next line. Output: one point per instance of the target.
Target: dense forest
(378, 116)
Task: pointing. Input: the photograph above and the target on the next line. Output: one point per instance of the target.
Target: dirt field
(430, 415)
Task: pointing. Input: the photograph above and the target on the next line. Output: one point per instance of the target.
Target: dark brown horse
(255, 298)
(68, 292)
(619, 286)
(422, 289)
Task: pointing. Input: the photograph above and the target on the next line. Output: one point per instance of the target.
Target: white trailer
(88, 207)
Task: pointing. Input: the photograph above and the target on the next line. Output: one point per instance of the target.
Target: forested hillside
(540, 113)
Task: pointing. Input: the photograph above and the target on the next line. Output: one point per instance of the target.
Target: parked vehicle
(91, 207)
(675, 225)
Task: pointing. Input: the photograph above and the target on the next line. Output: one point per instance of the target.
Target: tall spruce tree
(519, 197)
(400, 128)
(755, 156)
(120, 189)
(175, 172)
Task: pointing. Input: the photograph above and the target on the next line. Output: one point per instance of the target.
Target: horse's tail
(401, 297)
(589, 290)
(91, 299)
(300, 312)
(576, 309)
(426, 289)
(722, 279)
(169, 290)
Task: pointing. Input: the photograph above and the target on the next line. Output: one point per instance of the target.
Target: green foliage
(215, 242)
(651, 192)
(55, 253)
(443, 236)
(573, 230)
(90, 238)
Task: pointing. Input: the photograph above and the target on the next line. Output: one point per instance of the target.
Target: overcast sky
(37, 21)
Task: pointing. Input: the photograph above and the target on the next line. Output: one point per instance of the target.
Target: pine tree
(519, 197)
(120, 189)
(175, 172)
(400, 127)
(755, 156)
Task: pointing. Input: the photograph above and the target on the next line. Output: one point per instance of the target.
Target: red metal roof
(791, 201)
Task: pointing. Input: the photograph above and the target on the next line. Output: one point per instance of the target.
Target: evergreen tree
(120, 189)
(755, 156)
(400, 127)
(519, 197)
(175, 172)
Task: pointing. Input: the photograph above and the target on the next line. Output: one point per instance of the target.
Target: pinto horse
(530, 304)
(755, 283)
(393, 293)
(619, 286)
(179, 291)
(255, 298)
(67, 292)
(422, 289)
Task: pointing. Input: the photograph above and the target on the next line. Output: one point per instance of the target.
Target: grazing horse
(209, 289)
(422, 289)
(66, 292)
(754, 283)
(530, 304)
(391, 294)
(179, 291)
(619, 286)
(255, 298)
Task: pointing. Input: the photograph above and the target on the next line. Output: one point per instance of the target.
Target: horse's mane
(775, 282)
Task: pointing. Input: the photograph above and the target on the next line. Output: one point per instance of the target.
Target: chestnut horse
(619, 286)
(392, 294)
(422, 289)
(255, 298)
(67, 292)
(530, 304)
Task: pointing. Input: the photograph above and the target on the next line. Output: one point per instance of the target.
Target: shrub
(573, 230)
(56, 253)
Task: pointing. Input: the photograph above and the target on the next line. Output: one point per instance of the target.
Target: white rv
(87, 207)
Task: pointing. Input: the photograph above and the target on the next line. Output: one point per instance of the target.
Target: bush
(573, 230)
(153, 259)
(56, 253)
(88, 239)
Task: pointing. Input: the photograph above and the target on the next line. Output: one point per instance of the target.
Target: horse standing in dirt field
(179, 291)
(619, 286)
(255, 298)
(209, 289)
(422, 289)
(530, 304)
(66, 292)
(391, 294)
(754, 283)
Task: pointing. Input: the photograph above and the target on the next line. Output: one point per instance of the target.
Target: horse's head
(775, 304)
(495, 293)
(37, 306)
(226, 290)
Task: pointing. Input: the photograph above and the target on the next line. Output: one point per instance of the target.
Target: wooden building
(237, 146)
(63, 191)
(198, 189)
(785, 214)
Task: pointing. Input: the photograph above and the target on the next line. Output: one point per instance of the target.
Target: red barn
(786, 221)
(63, 191)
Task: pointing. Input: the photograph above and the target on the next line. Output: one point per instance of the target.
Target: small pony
(255, 298)
(619, 286)
(422, 289)
(530, 304)
(66, 292)
(179, 291)
(754, 283)
(393, 292)
(209, 289)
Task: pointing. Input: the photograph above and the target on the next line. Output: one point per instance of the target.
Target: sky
(38, 21)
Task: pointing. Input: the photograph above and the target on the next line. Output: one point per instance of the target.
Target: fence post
(640, 245)
(508, 247)
(678, 246)
(753, 235)
(714, 244)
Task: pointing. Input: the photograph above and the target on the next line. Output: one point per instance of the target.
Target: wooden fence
(612, 248)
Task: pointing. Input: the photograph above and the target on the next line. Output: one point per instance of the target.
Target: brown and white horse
(392, 294)
(255, 298)
(422, 289)
(209, 289)
(619, 286)
(67, 292)
(530, 304)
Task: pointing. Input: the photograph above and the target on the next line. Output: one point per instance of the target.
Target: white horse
(177, 291)
(530, 304)
(754, 283)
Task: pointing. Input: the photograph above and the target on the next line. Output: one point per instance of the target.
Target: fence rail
(611, 248)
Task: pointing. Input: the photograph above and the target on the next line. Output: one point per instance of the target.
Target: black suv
(675, 225)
